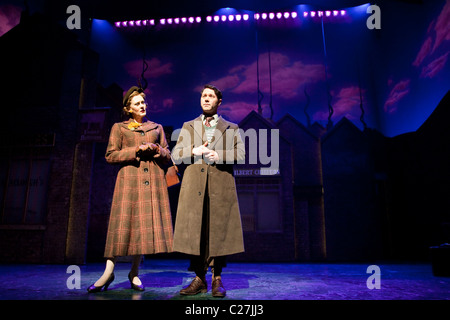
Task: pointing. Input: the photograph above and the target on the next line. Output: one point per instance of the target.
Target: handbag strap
(173, 163)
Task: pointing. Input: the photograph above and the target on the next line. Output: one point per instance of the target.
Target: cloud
(399, 91)
(345, 102)
(9, 17)
(227, 82)
(287, 76)
(441, 28)
(155, 69)
(347, 99)
(236, 111)
(433, 68)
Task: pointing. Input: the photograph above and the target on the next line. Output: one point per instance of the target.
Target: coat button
(199, 193)
(146, 170)
(146, 183)
(203, 170)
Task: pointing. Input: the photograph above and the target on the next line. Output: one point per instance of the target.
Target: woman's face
(138, 107)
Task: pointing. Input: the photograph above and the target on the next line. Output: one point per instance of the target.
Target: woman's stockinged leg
(134, 272)
(109, 269)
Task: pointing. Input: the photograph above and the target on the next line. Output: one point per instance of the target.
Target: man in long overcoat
(208, 223)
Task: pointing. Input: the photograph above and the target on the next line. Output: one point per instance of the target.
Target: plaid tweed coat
(225, 230)
(140, 221)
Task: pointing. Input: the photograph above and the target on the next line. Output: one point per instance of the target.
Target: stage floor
(243, 281)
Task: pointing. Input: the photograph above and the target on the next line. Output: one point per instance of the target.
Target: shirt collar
(213, 122)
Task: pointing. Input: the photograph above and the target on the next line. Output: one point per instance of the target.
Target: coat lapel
(147, 126)
(221, 126)
(197, 126)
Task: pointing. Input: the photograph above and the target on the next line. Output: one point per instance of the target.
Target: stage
(243, 281)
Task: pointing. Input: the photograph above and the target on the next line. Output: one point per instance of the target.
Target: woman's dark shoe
(104, 287)
(137, 287)
(197, 285)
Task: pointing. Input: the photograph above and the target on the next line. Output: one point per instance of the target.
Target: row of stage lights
(231, 17)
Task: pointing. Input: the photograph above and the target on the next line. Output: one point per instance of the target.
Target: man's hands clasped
(208, 154)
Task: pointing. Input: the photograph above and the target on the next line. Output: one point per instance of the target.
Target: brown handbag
(172, 176)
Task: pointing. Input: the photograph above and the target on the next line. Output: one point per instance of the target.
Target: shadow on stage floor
(243, 281)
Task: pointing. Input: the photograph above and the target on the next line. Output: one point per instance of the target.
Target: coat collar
(147, 125)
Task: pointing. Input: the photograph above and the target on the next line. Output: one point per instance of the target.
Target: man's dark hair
(216, 91)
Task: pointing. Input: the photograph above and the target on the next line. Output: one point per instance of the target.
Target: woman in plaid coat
(140, 221)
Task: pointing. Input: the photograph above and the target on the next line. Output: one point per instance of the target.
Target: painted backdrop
(390, 79)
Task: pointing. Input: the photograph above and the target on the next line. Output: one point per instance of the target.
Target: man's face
(209, 102)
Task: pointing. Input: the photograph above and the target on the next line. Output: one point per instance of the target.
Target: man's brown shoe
(197, 285)
(218, 290)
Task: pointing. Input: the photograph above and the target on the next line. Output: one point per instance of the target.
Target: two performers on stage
(208, 223)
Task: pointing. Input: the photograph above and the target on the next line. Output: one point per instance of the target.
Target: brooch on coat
(133, 126)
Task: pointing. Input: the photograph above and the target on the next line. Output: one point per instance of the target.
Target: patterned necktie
(207, 120)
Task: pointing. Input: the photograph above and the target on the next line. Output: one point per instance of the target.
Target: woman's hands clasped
(148, 149)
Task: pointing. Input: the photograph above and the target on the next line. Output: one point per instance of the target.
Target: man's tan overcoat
(225, 230)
